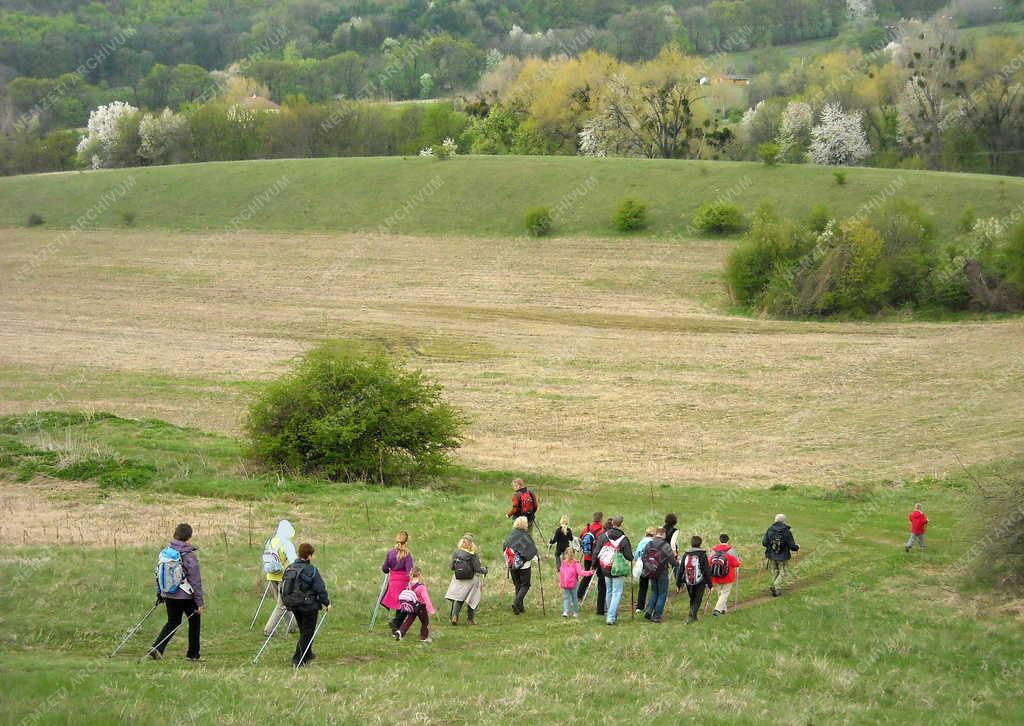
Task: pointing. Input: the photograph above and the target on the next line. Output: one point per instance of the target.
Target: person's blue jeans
(570, 601)
(658, 597)
(613, 597)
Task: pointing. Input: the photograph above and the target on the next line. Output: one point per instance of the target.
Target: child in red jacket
(918, 522)
(731, 563)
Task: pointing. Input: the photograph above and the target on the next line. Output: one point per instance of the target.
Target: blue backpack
(169, 572)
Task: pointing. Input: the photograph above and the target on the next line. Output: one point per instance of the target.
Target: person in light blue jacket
(281, 547)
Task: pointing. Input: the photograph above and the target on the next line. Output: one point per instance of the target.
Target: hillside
(471, 196)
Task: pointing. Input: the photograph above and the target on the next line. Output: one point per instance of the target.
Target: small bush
(818, 217)
(34, 220)
(348, 414)
(127, 218)
(538, 221)
(968, 218)
(631, 215)
(840, 176)
(769, 153)
(718, 218)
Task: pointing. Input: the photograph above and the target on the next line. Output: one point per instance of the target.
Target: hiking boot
(654, 619)
(639, 610)
(775, 593)
(455, 619)
(691, 619)
(565, 615)
(647, 616)
(197, 659)
(716, 613)
(398, 635)
(155, 654)
(426, 640)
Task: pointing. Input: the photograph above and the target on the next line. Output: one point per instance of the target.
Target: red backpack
(691, 569)
(527, 501)
(719, 563)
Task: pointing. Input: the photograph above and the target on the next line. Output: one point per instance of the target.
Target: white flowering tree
(839, 138)
(860, 12)
(102, 137)
(795, 130)
(164, 137)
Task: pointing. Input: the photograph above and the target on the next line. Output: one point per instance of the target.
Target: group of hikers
(601, 553)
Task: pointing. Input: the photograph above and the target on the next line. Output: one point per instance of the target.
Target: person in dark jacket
(614, 584)
(659, 579)
(520, 542)
(467, 584)
(695, 573)
(312, 584)
(561, 540)
(778, 545)
(186, 601)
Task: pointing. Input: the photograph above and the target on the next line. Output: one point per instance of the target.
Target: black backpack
(297, 586)
(776, 543)
(463, 567)
(719, 564)
(653, 561)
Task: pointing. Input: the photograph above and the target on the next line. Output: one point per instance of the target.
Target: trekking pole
(632, 609)
(540, 576)
(260, 606)
(267, 641)
(737, 605)
(707, 601)
(311, 639)
(587, 591)
(168, 637)
(376, 608)
(134, 630)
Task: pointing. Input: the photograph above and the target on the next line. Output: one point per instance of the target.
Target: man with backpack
(588, 539)
(778, 546)
(614, 557)
(179, 586)
(278, 553)
(658, 559)
(524, 503)
(695, 573)
(918, 522)
(304, 593)
(724, 565)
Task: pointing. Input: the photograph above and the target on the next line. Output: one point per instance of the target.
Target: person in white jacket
(281, 546)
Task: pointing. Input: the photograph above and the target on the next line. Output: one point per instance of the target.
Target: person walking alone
(779, 547)
(183, 598)
(918, 523)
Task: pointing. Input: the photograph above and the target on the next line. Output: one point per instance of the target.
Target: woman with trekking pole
(179, 586)
(397, 565)
(520, 552)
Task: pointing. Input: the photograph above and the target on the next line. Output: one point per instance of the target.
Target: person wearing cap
(467, 580)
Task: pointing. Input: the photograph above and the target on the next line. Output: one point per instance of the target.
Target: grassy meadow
(612, 373)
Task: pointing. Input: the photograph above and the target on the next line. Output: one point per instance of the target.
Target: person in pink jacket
(569, 575)
(423, 609)
(397, 565)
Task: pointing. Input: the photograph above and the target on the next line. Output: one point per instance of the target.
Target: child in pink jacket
(421, 606)
(569, 574)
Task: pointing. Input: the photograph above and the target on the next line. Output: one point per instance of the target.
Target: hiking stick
(309, 645)
(540, 576)
(267, 641)
(737, 588)
(260, 606)
(587, 591)
(168, 637)
(632, 609)
(134, 630)
(707, 600)
(376, 608)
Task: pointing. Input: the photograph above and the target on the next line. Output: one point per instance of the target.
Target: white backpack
(606, 557)
(271, 559)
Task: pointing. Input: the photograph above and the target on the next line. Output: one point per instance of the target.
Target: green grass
(475, 196)
(868, 635)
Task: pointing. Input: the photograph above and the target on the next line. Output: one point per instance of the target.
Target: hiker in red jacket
(524, 503)
(723, 559)
(588, 538)
(918, 522)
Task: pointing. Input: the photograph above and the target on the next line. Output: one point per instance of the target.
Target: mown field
(611, 372)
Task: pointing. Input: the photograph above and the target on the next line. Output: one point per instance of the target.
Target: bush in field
(346, 414)
(840, 176)
(853, 276)
(818, 218)
(768, 253)
(769, 153)
(127, 218)
(631, 215)
(718, 218)
(538, 221)
(34, 220)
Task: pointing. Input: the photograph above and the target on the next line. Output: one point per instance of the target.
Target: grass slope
(474, 196)
(868, 634)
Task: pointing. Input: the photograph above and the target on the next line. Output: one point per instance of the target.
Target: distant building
(725, 79)
(259, 103)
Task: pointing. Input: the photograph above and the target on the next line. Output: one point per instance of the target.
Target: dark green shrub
(631, 215)
(769, 251)
(840, 176)
(538, 221)
(853, 276)
(127, 218)
(34, 220)
(718, 218)
(910, 248)
(768, 153)
(347, 414)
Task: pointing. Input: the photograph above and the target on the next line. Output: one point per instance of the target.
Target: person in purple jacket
(187, 600)
(397, 565)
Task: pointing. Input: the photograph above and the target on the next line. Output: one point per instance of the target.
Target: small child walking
(414, 601)
(918, 523)
(569, 574)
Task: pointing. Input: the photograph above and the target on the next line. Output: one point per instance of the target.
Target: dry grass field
(603, 359)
